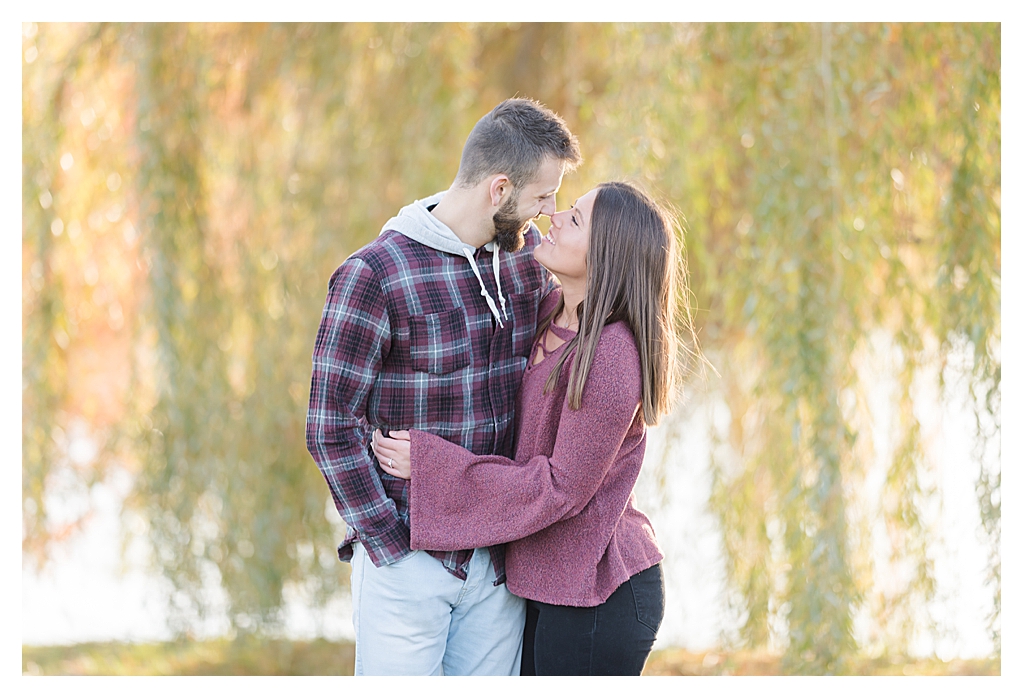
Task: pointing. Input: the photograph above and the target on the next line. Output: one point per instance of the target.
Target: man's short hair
(514, 139)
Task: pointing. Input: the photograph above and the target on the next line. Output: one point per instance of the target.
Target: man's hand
(393, 453)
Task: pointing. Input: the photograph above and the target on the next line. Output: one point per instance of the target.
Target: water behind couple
(479, 405)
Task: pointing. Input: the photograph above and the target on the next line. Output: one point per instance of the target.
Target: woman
(602, 368)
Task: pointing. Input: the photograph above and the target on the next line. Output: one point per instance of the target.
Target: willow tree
(263, 164)
(840, 183)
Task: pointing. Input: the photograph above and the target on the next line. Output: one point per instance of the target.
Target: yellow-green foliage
(323, 658)
(189, 188)
(243, 657)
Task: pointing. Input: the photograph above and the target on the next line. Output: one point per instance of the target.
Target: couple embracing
(479, 404)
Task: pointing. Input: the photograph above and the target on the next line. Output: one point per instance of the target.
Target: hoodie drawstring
(497, 275)
(469, 252)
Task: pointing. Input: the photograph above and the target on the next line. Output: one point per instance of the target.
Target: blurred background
(828, 499)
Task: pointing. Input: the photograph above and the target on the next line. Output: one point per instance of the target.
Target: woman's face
(563, 249)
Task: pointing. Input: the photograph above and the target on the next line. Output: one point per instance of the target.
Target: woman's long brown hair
(636, 274)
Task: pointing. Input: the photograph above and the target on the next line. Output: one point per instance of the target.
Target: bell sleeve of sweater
(461, 500)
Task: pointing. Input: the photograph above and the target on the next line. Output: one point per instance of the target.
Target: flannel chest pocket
(439, 342)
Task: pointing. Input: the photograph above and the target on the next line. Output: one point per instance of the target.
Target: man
(429, 327)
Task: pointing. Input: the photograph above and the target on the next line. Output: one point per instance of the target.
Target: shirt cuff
(388, 545)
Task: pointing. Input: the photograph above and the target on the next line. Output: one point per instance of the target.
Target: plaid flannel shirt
(407, 341)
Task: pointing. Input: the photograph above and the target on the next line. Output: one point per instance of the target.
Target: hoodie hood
(417, 223)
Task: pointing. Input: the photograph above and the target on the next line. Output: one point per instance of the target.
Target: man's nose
(547, 208)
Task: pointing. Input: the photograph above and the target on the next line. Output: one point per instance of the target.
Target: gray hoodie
(417, 223)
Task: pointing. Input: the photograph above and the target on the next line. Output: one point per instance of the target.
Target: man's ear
(500, 186)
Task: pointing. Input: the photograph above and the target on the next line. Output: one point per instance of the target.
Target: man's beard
(509, 229)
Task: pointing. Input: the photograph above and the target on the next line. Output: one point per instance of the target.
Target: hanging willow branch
(841, 187)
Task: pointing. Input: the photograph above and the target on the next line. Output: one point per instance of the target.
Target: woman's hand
(393, 453)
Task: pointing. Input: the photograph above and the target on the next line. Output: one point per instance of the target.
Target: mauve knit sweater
(565, 504)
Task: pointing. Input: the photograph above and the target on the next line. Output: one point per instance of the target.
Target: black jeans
(612, 639)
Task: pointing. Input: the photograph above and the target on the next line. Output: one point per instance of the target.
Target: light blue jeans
(415, 618)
